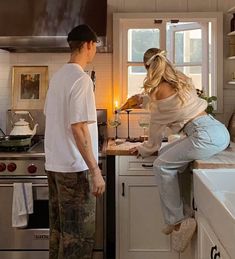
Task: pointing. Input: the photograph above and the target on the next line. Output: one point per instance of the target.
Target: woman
(174, 103)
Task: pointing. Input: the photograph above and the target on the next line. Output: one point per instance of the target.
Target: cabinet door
(209, 246)
(140, 220)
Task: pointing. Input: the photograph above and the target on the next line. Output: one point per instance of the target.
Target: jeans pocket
(215, 135)
(202, 135)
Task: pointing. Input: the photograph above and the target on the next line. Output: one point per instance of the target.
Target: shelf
(231, 82)
(232, 33)
(231, 10)
(232, 57)
(229, 87)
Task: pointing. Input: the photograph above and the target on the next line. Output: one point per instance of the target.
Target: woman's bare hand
(134, 151)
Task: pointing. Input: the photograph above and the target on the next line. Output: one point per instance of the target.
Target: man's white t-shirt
(70, 99)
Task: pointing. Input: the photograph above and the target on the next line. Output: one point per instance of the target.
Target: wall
(103, 61)
(102, 65)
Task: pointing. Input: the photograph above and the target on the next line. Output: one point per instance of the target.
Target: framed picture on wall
(29, 87)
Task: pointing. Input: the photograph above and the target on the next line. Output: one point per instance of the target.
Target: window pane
(195, 73)
(136, 75)
(139, 40)
(188, 46)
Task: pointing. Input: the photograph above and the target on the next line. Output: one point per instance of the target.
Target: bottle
(232, 23)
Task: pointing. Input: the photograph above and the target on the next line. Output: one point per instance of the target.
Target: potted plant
(209, 100)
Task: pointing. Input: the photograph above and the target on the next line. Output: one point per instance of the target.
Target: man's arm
(83, 140)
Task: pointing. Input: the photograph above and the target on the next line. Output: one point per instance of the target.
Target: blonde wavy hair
(160, 69)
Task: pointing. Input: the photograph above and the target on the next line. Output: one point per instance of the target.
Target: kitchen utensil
(11, 141)
(21, 127)
(15, 141)
(2, 134)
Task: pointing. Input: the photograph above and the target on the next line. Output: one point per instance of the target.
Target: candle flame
(116, 104)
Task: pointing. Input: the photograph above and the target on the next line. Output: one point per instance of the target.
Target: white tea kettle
(22, 128)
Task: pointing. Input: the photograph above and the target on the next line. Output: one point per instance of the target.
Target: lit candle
(116, 105)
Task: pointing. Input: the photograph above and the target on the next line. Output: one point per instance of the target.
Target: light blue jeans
(205, 137)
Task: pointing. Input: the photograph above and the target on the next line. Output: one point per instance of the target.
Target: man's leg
(77, 210)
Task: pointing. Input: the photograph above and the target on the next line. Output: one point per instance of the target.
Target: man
(71, 148)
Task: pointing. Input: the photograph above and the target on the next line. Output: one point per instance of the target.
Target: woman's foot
(182, 236)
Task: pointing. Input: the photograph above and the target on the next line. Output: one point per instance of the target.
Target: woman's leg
(206, 137)
(167, 166)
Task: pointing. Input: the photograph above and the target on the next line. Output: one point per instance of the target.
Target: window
(193, 42)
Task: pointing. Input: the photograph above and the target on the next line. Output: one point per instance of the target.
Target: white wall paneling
(171, 6)
(224, 5)
(206, 5)
(140, 6)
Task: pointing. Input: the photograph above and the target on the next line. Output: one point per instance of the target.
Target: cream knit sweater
(170, 112)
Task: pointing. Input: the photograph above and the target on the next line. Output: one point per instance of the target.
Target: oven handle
(27, 178)
(33, 185)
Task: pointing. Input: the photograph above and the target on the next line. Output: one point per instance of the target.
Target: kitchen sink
(214, 193)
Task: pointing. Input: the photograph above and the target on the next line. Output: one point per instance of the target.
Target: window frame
(123, 21)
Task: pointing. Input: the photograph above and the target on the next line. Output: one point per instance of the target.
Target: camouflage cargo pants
(72, 216)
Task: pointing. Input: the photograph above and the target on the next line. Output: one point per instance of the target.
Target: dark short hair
(82, 33)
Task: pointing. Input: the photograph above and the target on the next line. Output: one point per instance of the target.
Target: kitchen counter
(225, 159)
(120, 149)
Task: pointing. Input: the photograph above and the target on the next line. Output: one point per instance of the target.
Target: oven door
(35, 236)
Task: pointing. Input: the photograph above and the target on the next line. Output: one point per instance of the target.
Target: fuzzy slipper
(167, 230)
(182, 237)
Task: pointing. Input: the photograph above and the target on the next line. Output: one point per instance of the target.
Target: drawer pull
(212, 251)
(217, 255)
(147, 166)
(193, 204)
(123, 189)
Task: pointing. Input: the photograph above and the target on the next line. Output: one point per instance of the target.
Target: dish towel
(22, 204)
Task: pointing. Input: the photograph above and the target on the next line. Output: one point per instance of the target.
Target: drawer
(130, 165)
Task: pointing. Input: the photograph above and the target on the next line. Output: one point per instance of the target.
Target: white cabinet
(209, 247)
(139, 214)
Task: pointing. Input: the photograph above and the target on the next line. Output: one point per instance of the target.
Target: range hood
(43, 25)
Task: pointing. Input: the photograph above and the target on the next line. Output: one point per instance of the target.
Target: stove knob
(2, 167)
(11, 167)
(32, 169)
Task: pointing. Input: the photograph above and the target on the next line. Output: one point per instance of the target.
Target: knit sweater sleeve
(154, 140)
